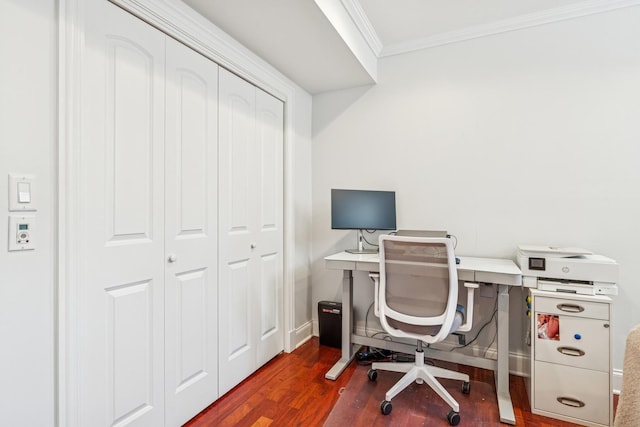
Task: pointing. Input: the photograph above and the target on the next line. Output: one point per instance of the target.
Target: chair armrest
(468, 321)
(376, 283)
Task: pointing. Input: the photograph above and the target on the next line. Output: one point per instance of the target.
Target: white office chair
(416, 296)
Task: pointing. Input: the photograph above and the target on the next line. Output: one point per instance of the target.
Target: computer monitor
(363, 210)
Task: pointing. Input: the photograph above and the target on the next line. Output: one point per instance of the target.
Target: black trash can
(330, 323)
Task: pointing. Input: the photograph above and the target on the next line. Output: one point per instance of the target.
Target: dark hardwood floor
(288, 391)
(291, 391)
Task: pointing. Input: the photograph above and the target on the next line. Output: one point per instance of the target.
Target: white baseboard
(302, 334)
(617, 381)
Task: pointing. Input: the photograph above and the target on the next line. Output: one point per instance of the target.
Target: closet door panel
(251, 235)
(269, 147)
(130, 333)
(119, 236)
(268, 191)
(269, 294)
(129, 153)
(190, 292)
(238, 206)
(239, 167)
(239, 317)
(191, 319)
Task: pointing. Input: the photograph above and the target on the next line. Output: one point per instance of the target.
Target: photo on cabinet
(548, 327)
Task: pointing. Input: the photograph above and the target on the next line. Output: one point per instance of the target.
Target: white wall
(302, 212)
(526, 137)
(27, 146)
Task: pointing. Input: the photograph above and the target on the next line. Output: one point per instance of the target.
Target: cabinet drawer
(582, 343)
(571, 307)
(572, 392)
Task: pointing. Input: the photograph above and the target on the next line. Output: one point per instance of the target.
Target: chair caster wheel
(385, 407)
(466, 387)
(372, 374)
(454, 418)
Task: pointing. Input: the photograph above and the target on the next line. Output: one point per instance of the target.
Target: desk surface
(489, 270)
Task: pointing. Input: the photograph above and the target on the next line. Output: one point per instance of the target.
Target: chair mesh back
(417, 281)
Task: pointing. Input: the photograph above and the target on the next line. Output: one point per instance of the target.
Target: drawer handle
(570, 351)
(569, 401)
(570, 308)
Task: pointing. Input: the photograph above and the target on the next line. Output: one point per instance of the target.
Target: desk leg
(347, 327)
(505, 405)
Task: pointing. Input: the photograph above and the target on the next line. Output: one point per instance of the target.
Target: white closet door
(191, 234)
(269, 233)
(250, 191)
(119, 347)
(238, 166)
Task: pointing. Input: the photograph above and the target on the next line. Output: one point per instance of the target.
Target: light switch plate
(21, 193)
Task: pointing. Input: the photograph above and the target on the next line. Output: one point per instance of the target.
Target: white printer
(571, 270)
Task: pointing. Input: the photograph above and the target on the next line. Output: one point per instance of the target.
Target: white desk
(502, 272)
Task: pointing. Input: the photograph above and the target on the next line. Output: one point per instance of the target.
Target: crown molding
(577, 10)
(352, 26)
(364, 26)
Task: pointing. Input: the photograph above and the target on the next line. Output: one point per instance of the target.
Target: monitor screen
(363, 210)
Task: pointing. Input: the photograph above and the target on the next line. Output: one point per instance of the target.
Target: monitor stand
(361, 249)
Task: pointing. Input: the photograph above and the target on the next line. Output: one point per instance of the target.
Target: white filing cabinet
(571, 370)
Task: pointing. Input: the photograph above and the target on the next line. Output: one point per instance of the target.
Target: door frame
(180, 22)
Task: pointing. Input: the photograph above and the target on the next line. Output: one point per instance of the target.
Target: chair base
(420, 373)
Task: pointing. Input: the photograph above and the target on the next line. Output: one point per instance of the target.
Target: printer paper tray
(582, 288)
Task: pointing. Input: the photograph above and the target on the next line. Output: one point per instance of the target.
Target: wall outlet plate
(21, 232)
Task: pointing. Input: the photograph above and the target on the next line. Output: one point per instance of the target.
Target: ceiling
(325, 45)
(400, 22)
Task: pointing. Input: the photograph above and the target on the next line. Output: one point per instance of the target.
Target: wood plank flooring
(291, 391)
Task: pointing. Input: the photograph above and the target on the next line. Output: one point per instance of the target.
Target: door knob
(253, 246)
(172, 258)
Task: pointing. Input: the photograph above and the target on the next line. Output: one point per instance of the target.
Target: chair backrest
(418, 288)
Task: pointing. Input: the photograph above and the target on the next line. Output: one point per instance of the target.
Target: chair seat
(458, 320)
